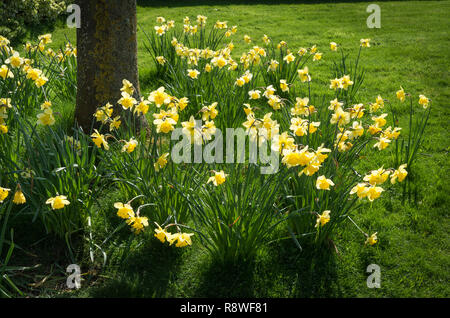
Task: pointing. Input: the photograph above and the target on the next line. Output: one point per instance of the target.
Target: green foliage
(407, 234)
(235, 218)
(16, 16)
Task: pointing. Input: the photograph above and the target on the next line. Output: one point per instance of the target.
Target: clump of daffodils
(180, 239)
(134, 220)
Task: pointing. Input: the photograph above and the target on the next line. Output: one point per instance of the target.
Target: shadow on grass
(279, 271)
(309, 273)
(146, 273)
(226, 280)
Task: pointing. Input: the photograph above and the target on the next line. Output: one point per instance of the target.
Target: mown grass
(410, 49)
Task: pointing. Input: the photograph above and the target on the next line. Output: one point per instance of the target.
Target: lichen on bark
(107, 54)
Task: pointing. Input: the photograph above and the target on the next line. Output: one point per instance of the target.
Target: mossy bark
(107, 54)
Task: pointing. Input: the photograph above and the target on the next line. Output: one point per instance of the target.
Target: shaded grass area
(410, 49)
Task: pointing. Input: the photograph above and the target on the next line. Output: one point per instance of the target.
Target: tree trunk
(107, 54)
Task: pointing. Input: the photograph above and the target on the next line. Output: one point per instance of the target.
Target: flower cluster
(180, 239)
(134, 220)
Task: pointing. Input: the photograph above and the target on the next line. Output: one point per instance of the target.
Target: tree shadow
(312, 271)
(220, 280)
(145, 273)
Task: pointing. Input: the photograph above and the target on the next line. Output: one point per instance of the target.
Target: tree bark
(107, 54)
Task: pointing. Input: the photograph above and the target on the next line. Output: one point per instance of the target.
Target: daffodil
(293, 157)
(162, 234)
(281, 44)
(124, 211)
(284, 86)
(33, 73)
(377, 177)
(127, 101)
(137, 223)
(357, 130)
(218, 178)
(5, 72)
(159, 97)
(336, 83)
(399, 174)
(391, 133)
(320, 153)
(382, 143)
(357, 111)
(298, 127)
(275, 102)
(19, 198)
(104, 113)
(15, 60)
(142, 107)
(127, 87)
(254, 94)
(282, 142)
(340, 117)
(99, 140)
(130, 145)
(300, 107)
(219, 61)
(322, 183)
(248, 109)
(182, 103)
(270, 90)
(201, 20)
(289, 58)
(360, 189)
(164, 125)
(58, 202)
(210, 111)
(373, 129)
(160, 29)
(4, 192)
(161, 60)
(247, 76)
(161, 162)
(374, 192)
(317, 56)
(3, 129)
(311, 168)
(346, 82)
(380, 121)
(221, 25)
(192, 131)
(401, 94)
(40, 81)
(424, 101)
(333, 46)
(46, 117)
(335, 104)
(365, 42)
(304, 74)
(323, 218)
(45, 38)
(240, 82)
(371, 240)
(273, 65)
(192, 73)
(302, 51)
(184, 239)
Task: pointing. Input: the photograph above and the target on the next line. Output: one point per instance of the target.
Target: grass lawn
(412, 50)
